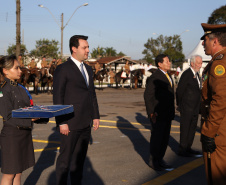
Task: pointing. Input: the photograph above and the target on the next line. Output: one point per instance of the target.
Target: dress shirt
(79, 66)
(169, 76)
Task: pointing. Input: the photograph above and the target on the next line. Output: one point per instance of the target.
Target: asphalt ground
(119, 150)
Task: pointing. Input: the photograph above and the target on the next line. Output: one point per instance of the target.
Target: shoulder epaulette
(3, 84)
(219, 57)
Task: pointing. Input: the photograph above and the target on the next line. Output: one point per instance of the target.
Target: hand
(96, 123)
(64, 129)
(153, 117)
(208, 144)
(35, 119)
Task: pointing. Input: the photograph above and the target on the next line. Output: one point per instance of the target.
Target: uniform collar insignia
(13, 83)
(219, 57)
(3, 84)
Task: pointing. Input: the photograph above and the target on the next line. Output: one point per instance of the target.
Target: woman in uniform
(17, 152)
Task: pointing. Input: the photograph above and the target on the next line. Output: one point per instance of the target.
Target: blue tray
(43, 111)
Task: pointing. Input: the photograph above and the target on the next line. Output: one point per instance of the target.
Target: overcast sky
(124, 25)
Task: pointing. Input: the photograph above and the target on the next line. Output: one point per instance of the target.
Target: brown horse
(24, 79)
(51, 72)
(135, 75)
(44, 79)
(100, 77)
(35, 77)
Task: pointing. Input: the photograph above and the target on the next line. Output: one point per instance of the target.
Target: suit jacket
(188, 93)
(69, 88)
(159, 96)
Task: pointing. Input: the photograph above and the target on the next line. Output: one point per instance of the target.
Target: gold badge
(219, 70)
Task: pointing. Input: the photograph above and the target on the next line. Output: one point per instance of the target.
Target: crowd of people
(73, 84)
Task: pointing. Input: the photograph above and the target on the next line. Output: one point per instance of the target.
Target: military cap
(212, 28)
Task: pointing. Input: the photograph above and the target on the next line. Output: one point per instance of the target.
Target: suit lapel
(75, 67)
(194, 78)
(164, 77)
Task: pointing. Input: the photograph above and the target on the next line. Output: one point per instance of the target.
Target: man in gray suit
(188, 96)
(73, 84)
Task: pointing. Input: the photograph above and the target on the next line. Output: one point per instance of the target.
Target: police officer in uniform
(127, 69)
(17, 152)
(213, 108)
(32, 64)
(44, 62)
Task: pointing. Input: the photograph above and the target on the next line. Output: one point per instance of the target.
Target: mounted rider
(32, 64)
(97, 68)
(127, 68)
(44, 64)
(112, 77)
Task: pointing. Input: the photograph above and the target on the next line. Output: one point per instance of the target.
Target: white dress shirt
(79, 66)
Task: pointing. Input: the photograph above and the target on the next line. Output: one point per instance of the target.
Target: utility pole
(17, 27)
(62, 33)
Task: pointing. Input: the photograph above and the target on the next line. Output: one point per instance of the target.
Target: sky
(125, 25)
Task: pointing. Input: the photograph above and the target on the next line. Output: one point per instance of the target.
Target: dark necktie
(83, 73)
(200, 80)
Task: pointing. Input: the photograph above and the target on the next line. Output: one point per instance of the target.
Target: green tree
(105, 52)
(46, 48)
(218, 16)
(110, 52)
(121, 54)
(171, 46)
(98, 52)
(12, 49)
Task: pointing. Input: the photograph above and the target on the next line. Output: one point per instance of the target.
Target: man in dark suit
(159, 101)
(188, 96)
(73, 84)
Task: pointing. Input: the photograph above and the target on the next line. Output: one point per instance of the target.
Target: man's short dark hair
(221, 36)
(74, 41)
(159, 58)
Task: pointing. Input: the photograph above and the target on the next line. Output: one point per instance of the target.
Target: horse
(44, 79)
(35, 76)
(147, 74)
(119, 78)
(24, 79)
(135, 75)
(100, 77)
(52, 69)
(51, 72)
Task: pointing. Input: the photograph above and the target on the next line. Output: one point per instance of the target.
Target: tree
(218, 16)
(98, 52)
(45, 48)
(110, 52)
(121, 54)
(105, 52)
(12, 49)
(171, 46)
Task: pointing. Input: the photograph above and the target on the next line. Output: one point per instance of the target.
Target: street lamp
(62, 26)
(155, 33)
(184, 32)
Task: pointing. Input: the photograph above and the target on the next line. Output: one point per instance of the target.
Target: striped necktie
(169, 79)
(83, 73)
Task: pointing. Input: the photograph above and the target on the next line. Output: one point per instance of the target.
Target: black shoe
(154, 164)
(187, 154)
(164, 165)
